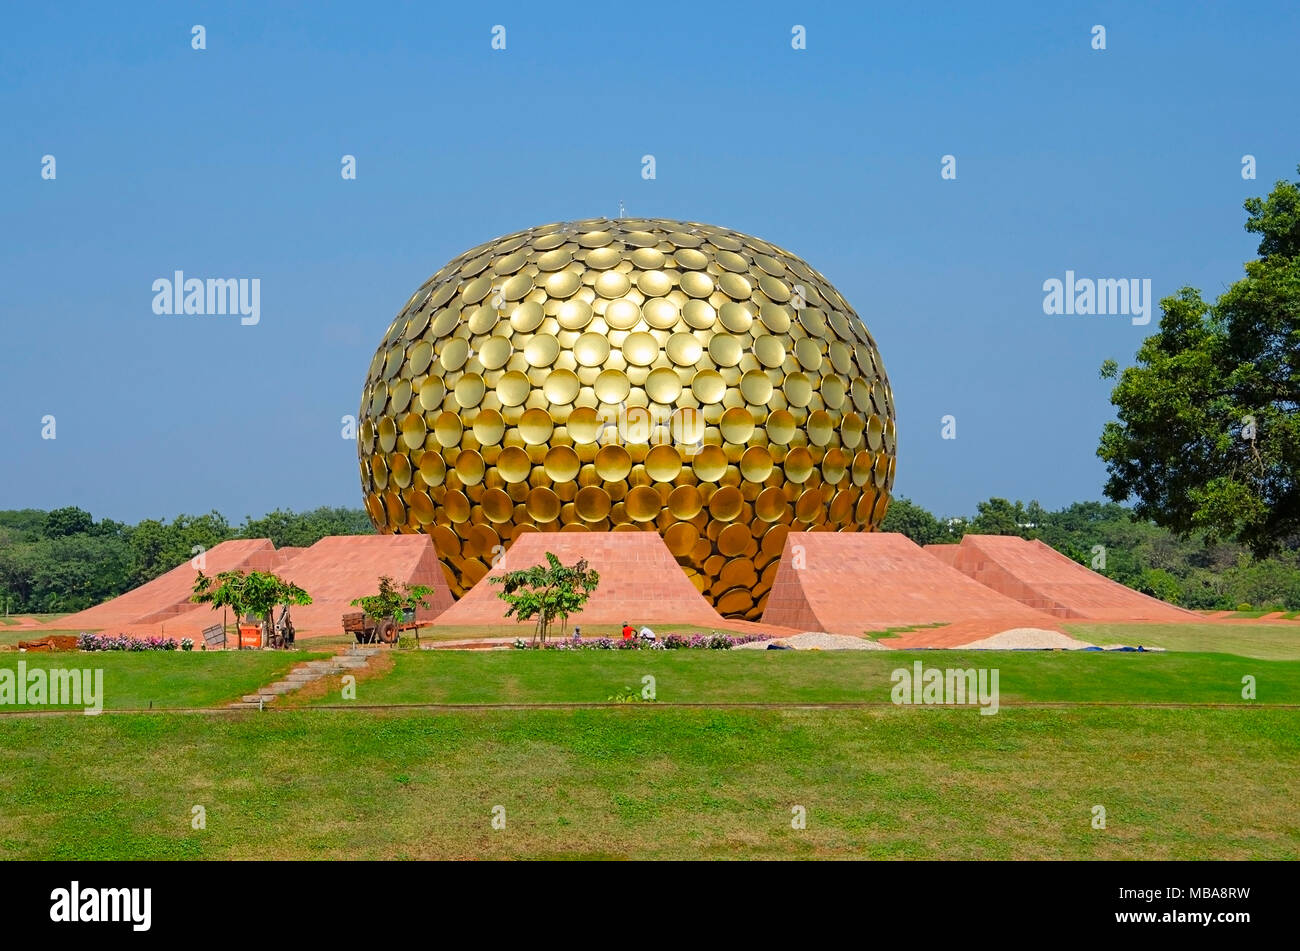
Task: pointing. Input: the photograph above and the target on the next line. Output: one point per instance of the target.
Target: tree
(257, 593)
(915, 522)
(1208, 434)
(998, 517)
(547, 592)
(68, 521)
(301, 529)
(390, 602)
(157, 547)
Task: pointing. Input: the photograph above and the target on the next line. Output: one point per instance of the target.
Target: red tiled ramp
(1040, 577)
(340, 568)
(168, 595)
(852, 583)
(640, 582)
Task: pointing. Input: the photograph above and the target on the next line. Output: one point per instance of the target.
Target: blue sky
(225, 162)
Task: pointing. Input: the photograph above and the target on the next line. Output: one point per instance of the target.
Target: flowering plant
(712, 641)
(124, 642)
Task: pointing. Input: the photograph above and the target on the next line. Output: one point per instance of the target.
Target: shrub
(712, 641)
(124, 642)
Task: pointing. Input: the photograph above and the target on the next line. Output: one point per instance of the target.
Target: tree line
(64, 560)
(1193, 571)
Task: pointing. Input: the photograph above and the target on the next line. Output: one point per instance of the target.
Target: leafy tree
(1208, 434)
(387, 604)
(998, 517)
(158, 547)
(22, 525)
(547, 592)
(301, 529)
(1161, 584)
(68, 521)
(257, 593)
(916, 523)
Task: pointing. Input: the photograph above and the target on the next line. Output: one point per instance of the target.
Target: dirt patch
(1027, 638)
(817, 641)
(54, 642)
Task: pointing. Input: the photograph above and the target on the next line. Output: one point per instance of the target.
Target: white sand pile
(1027, 637)
(817, 640)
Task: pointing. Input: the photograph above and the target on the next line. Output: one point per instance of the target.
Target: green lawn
(166, 680)
(693, 676)
(10, 636)
(640, 782)
(1264, 640)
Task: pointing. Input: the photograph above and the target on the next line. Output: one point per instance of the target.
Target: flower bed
(125, 642)
(713, 641)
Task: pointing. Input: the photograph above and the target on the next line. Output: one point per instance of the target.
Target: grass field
(638, 782)
(649, 780)
(11, 635)
(803, 676)
(1264, 640)
(134, 681)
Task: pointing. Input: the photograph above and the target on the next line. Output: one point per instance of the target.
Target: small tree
(547, 592)
(390, 601)
(256, 592)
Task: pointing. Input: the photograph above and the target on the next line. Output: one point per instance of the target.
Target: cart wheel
(388, 632)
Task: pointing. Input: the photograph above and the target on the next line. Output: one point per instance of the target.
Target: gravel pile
(817, 640)
(1027, 637)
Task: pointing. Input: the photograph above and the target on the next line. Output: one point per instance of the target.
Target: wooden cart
(369, 631)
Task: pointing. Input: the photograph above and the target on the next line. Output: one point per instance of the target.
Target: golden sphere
(628, 375)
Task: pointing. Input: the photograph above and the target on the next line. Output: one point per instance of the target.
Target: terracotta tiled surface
(1040, 577)
(851, 583)
(333, 571)
(640, 582)
(945, 553)
(168, 595)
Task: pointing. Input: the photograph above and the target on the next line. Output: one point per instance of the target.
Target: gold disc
(561, 464)
(513, 388)
(593, 503)
(543, 505)
(663, 463)
(737, 425)
(488, 427)
(613, 463)
(535, 426)
(513, 464)
(612, 386)
(685, 502)
(756, 464)
(643, 504)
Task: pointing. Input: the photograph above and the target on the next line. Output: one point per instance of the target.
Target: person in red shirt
(627, 631)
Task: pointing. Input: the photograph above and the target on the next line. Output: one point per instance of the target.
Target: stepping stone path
(311, 671)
